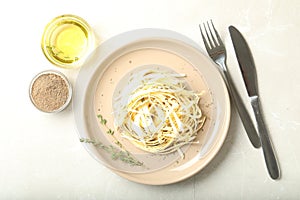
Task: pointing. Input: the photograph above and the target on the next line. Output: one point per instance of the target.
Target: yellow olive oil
(67, 40)
(70, 43)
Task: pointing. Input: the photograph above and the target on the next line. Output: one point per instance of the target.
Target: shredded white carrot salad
(157, 113)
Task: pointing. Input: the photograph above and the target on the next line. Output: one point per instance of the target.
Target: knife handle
(241, 108)
(266, 144)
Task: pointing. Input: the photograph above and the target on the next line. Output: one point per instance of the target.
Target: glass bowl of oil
(67, 41)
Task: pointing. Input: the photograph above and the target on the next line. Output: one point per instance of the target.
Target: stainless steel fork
(216, 50)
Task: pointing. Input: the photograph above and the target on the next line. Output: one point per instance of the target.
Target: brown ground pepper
(49, 92)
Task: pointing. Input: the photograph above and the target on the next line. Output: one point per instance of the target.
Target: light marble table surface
(41, 156)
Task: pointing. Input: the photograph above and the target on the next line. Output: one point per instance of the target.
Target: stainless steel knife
(248, 70)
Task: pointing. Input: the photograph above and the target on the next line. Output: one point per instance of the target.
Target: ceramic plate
(104, 73)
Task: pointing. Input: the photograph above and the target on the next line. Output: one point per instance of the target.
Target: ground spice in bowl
(50, 91)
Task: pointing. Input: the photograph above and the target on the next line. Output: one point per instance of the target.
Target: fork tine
(217, 34)
(212, 36)
(208, 38)
(203, 38)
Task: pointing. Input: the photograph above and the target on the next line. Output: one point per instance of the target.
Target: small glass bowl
(67, 41)
(44, 100)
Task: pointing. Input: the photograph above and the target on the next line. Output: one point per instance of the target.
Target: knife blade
(248, 70)
(245, 60)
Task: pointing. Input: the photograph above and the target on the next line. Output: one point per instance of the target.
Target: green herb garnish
(116, 154)
(102, 120)
(57, 51)
(110, 132)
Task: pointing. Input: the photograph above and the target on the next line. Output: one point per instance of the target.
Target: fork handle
(241, 108)
(270, 158)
